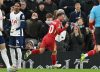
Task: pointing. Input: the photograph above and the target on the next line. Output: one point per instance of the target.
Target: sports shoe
(11, 69)
(27, 54)
(56, 66)
(82, 57)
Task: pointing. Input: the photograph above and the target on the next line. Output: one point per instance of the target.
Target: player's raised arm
(59, 30)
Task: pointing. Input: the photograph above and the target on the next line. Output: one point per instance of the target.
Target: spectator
(49, 18)
(33, 27)
(38, 1)
(25, 10)
(56, 2)
(7, 4)
(41, 12)
(89, 43)
(87, 5)
(80, 24)
(50, 6)
(11, 10)
(78, 13)
(76, 40)
(67, 5)
(45, 26)
(32, 5)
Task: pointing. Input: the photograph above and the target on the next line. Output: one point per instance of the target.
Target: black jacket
(76, 43)
(33, 28)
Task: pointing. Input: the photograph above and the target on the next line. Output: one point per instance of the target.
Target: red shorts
(49, 43)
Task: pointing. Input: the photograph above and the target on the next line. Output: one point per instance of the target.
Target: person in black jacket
(76, 39)
(50, 6)
(78, 13)
(33, 27)
(41, 12)
(25, 10)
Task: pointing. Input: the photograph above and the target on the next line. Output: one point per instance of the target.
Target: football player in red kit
(49, 39)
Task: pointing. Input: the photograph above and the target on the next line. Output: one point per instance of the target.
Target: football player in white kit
(16, 39)
(3, 45)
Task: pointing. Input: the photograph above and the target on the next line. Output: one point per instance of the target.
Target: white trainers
(9, 70)
(12, 69)
(56, 66)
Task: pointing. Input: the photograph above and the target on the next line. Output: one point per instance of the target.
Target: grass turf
(53, 70)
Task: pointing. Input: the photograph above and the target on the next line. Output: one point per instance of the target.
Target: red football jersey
(55, 28)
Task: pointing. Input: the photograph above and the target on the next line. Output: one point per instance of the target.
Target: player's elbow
(91, 21)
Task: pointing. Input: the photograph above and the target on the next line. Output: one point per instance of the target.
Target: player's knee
(3, 49)
(54, 52)
(2, 46)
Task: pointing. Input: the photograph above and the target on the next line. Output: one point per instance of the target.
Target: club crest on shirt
(23, 17)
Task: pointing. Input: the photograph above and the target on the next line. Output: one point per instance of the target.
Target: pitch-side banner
(67, 59)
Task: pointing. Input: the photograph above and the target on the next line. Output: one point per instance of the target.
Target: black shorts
(2, 40)
(97, 35)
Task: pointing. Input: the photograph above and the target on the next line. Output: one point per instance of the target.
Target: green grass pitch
(54, 70)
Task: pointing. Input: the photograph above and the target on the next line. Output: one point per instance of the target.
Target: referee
(94, 18)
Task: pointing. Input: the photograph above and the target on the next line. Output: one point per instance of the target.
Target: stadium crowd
(40, 13)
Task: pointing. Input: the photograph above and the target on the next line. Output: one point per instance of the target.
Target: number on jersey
(51, 29)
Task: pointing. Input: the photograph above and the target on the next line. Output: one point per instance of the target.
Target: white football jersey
(1, 22)
(15, 23)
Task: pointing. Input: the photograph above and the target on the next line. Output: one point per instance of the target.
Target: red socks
(53, 58)
(91, 53)
(36, 51)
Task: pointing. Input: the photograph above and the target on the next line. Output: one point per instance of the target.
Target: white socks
(86, 55)
(15, 62)
(19, 53)
(13, 56)
(5, 57)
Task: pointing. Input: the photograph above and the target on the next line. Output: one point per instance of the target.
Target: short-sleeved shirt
(15, 23)
(95, 15)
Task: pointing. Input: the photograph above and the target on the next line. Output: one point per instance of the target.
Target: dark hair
(41, 3)
(49, 15)
(18, 3)
(77, 2)
(80, 18)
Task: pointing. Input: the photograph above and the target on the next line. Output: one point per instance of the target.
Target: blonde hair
(79, 31)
